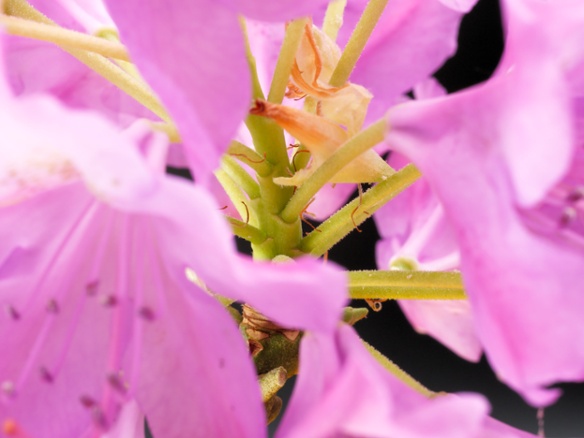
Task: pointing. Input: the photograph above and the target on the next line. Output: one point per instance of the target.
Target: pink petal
(281, 10)
(410, 42)
(192, 54)
(280, 291)
(482, 164)
(342, 391)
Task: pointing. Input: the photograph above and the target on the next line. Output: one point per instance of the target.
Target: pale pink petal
(343, 391)
(192, 55)
(279, 290)
(130, 423)
(483, 164)
(410, 42)
(281, 10)
(450, 322)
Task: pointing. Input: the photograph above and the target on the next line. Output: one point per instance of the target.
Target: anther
(146, 313)
(108, 300)
(12, 312)
(52, 306)
(46, 375)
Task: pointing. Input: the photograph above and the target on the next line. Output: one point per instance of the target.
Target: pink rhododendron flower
(98, 307)
(493, 155)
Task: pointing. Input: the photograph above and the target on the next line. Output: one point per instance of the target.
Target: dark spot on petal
(108, 300)
(46, 375)
(146, 313)
(99, 418)
(116, 382)
(52, 306)
(221, 362)
(12, 312)
(87, 401)
(576, 194)
(91, 288)
(568, 215)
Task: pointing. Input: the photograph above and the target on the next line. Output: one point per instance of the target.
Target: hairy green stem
(406, 285)
(350, 150)
(246, 231)
(240, 176)
(357, 42)
(290, 45)
(336, 227)
(398, 372)
(333, 19)
(250, 158)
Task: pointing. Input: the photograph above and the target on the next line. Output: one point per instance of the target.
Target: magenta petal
(410, 42)
(342, 391)
(192, 54)
(281, 10)
(483, 164)
(196, 371)
(305, 294)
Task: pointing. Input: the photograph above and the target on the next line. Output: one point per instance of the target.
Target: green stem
(333, 19)
(290, 45)
(350, 150)
(408, 285)
(357, 42)
(134, 88)
(336, 227)
(246, 231)
(257, 92)
(250, 158)
(63, 37)
(240, 176)
(237, 196)
(398, 372)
